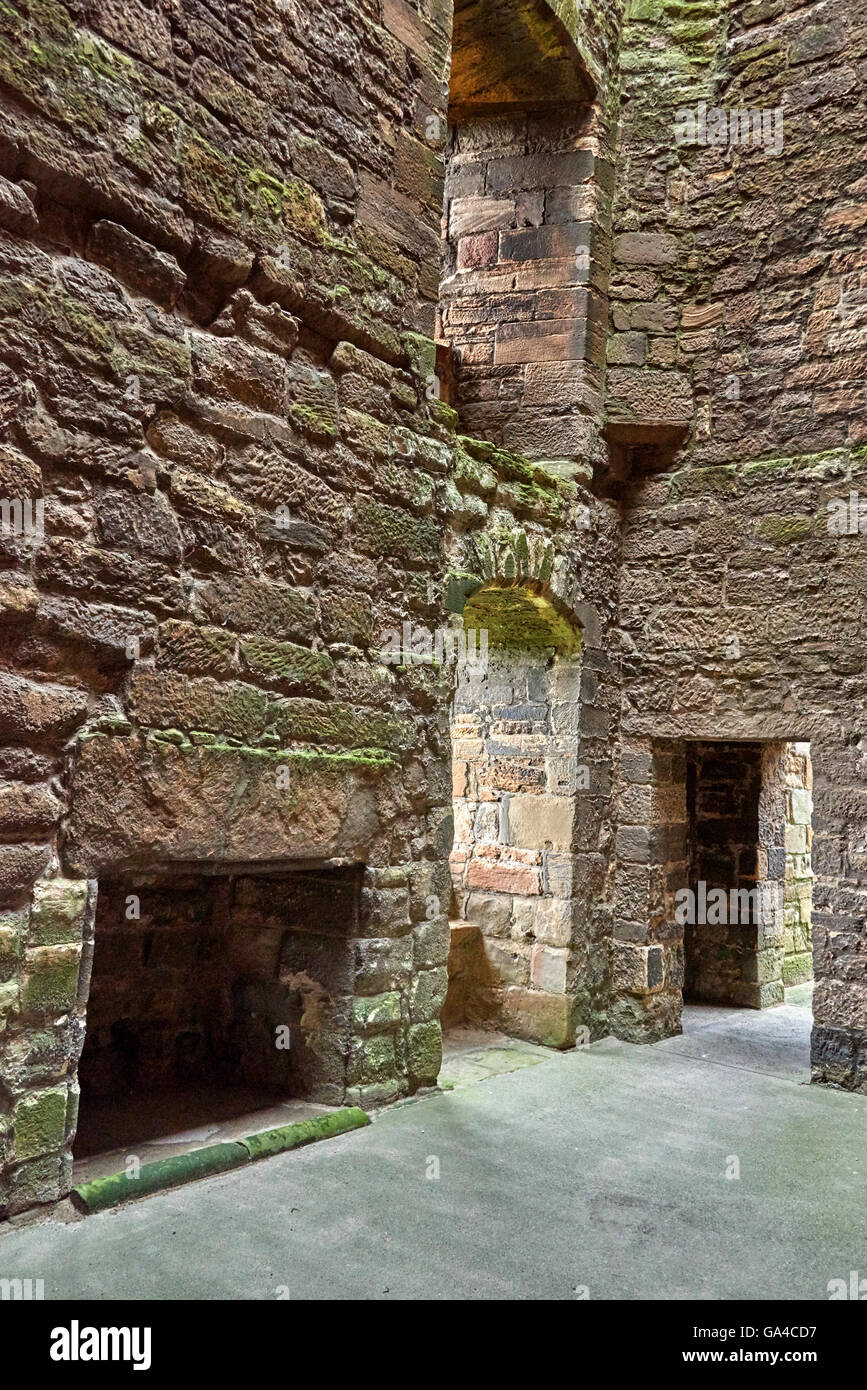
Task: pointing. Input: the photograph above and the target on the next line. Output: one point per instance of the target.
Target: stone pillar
(839, 1043)
(764, 973)
(400, 976)
(797, 911)
(46, 953)
(651, 864)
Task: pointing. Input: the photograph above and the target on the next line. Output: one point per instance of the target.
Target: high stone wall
(220, 265)
(737, 282)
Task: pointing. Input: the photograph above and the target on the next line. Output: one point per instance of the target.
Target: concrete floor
(604, 1167)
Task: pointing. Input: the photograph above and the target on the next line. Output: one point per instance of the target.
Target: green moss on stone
(275, 1141)
(379, 1011)
(459, 585)
(40, 1123)
(697, 482)
(58, 912)
(117, 1188)
(517, 619)
(317, 423)
(315, 721)
(285, 663)
(50, 980)
(784, 530)
(392, 533)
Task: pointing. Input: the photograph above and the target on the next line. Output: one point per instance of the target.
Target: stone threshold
(115, 1189)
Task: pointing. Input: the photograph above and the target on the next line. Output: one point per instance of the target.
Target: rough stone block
(40, 1123)
(638, 969)
(646, 248)
(58, 912)
(548, 969)
(539, 1017)
(50, 980)
(424, 1053)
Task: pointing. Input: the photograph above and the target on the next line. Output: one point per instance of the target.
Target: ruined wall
(739, 603)
(219, 240)
(219, 256)
(526, 250)
(523, 204)
(225, 476)
(516, 776)
(539, 562)
(527, 227)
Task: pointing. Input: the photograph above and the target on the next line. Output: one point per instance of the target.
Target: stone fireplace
(229, 981)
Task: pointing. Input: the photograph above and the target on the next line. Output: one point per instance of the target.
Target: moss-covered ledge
(147, 801)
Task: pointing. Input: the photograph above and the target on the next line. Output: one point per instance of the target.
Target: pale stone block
(537, 821)
(548, 969)
(553, 923)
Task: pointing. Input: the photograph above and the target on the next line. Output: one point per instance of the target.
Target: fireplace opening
(219, 1005)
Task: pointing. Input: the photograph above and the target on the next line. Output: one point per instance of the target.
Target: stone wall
(798, 911)
(517, 774)
(536, 569)
(226, 476)
(740, 269)
(527, 223)
(524, 321)
(219, 251)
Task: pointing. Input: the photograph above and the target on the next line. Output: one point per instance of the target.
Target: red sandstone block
(503, 878)
(477, 251)
(549, 340)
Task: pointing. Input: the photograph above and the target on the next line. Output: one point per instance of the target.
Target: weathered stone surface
(32, 709)
(539, 1017)
(646, 248)
(17, 213)
(20, 864)
(139, 265)
(27, 809)
(651, 397)
(232, 375)
(144, 801)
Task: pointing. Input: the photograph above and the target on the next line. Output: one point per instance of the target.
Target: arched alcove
(516, 777)
(512, 56)
(518, 305)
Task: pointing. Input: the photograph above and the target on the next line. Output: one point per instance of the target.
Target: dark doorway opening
(721, 934)
(747, 934)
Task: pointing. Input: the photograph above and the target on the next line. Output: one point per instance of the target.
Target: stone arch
(522, 311)
(517, 782)
(528, 562)
(534, 64)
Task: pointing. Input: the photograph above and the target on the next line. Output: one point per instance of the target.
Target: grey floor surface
(539, 1175)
